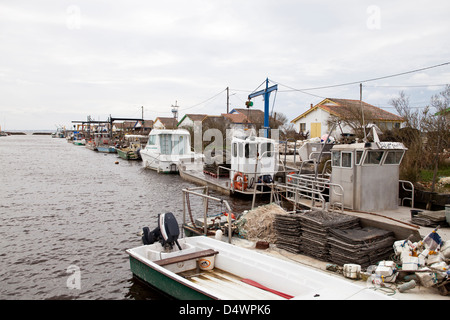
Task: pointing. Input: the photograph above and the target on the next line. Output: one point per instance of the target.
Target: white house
(165, 123)
(316, 120)
(188, 120)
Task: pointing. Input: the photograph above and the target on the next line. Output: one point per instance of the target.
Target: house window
(302, 127)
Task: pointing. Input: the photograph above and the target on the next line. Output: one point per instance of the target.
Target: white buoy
(218, 235)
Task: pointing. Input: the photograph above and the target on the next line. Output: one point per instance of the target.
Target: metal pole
(184, 210)
(362, 111)
(266, 110)
(228, 100)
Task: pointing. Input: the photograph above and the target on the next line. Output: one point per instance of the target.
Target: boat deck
(219, 184)
(228, 286)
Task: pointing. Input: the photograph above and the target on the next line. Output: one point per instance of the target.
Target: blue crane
(266, 92)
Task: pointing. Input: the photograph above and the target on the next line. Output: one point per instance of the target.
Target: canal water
(67, 215)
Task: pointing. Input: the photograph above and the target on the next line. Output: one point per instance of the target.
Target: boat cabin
(169, 142)
(165, 149)
(368, 174)
(253, 158)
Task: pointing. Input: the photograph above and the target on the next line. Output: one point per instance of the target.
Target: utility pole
(142, 109)
(362, 111)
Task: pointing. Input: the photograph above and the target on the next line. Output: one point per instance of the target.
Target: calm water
(65, 208)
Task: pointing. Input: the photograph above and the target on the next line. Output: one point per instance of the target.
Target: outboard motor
(166, 233)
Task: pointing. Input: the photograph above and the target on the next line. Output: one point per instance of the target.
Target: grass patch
(427, 175)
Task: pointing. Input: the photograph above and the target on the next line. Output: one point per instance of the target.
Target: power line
(195, 105)
(368, 80)
(407, 86)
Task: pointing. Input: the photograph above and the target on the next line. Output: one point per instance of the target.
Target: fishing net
(258, 224)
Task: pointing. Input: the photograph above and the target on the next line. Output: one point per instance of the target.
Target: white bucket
(206, 263)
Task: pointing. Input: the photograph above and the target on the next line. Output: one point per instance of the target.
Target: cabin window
(178, 145)
(235, 150)
(336, 158)
(359, 154)
(393, 157)
(152, 140)
(346, 159)
(266, 149)
(251, 150)
(166, 143)
(241, 150)
(373, 157)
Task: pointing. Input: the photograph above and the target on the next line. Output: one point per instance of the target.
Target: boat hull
(128, 154)
(232, 266)
(160, 163)
(106, 149)
(164, 282)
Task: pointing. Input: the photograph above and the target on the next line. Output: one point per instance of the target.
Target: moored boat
(106, 148)
(166, 148)
(253, 165)
(102, 141)
(205, 268)
(133, 145)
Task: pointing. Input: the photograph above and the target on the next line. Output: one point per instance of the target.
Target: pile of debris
(427, 259)
(423, 263)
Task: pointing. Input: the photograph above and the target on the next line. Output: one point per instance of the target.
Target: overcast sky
(64, 60)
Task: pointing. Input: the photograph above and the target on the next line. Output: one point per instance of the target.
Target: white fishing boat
(205, 268)
(253, 164)
(165, 149)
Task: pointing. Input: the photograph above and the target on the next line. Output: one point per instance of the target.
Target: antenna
(175, 113)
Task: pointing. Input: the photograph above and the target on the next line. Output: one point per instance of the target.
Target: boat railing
(402, 184)
(316, 189)
(206, 197)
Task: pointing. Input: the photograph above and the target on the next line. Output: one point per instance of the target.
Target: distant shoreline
(31, 132)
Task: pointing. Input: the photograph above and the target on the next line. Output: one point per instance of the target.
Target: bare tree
(426, 133)
(438, 128)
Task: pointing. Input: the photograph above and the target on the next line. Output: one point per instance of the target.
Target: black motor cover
(166, 233)
(169, 227)
(149, 237)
